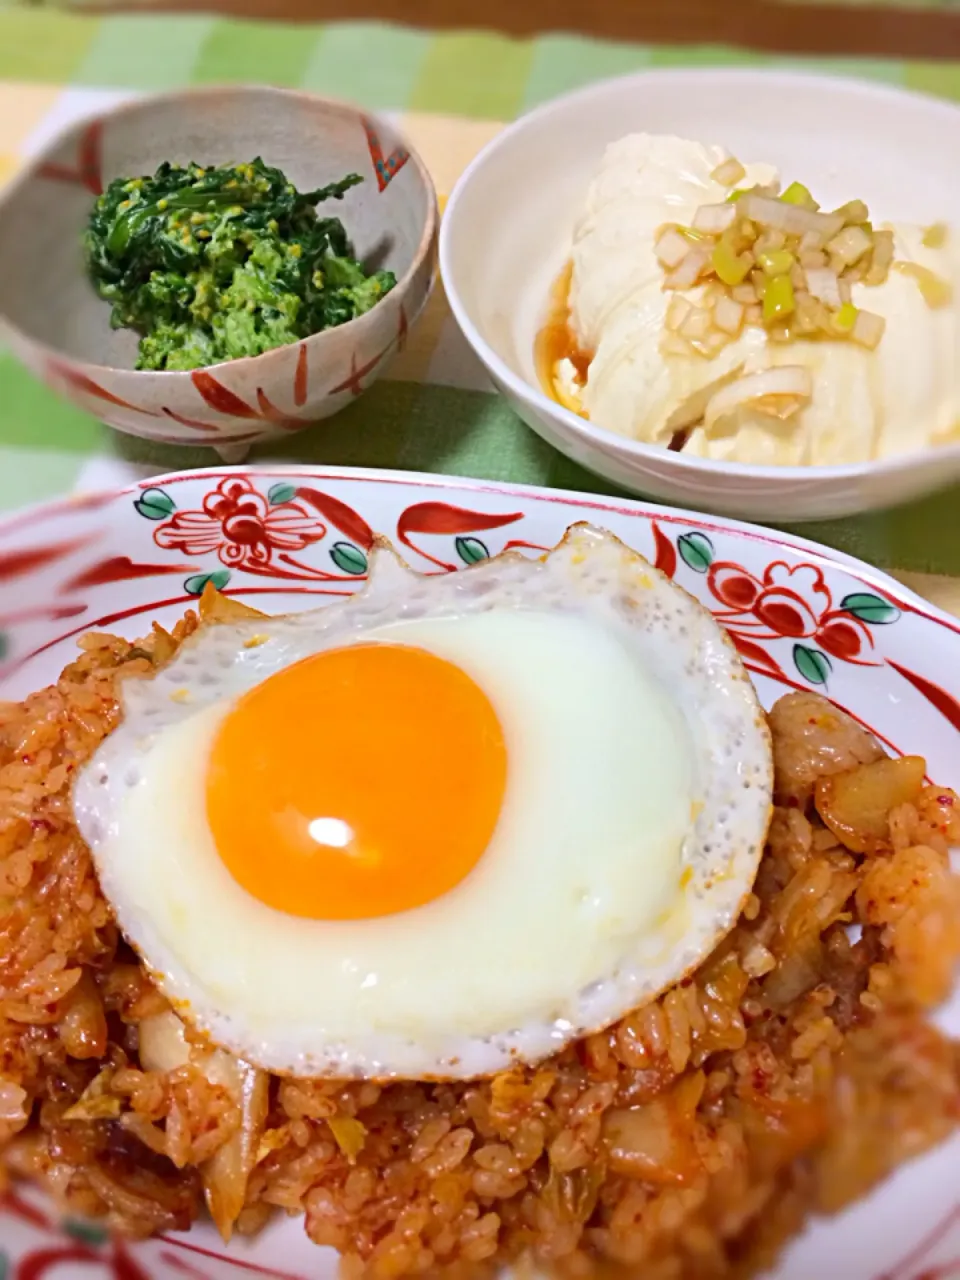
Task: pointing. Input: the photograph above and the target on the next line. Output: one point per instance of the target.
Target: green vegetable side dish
(214, 264)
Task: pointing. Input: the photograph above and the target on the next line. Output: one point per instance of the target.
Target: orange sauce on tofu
(556, 341)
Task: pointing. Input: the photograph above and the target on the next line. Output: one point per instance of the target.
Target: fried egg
(449, 824)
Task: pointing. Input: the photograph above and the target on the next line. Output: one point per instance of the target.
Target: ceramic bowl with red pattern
(60, 328)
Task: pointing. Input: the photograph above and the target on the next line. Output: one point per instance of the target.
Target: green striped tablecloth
(449, 92)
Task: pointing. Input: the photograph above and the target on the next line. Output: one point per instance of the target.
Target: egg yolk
(356, 783)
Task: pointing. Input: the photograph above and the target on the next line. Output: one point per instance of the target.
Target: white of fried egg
(448, 824)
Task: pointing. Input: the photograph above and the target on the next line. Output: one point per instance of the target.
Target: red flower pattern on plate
(787, 602)
(240, 525)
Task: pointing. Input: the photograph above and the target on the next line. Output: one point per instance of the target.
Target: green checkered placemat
(449, 92)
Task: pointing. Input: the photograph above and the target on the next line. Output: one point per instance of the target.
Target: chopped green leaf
(800, 195)
(215, 264)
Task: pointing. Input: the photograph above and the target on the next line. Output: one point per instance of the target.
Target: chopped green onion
(778, 299)
(778, 262)
(732, 268)
(845, 318)
(798, 194)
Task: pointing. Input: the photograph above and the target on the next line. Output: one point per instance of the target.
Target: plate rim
(93, 499)
(105, 497)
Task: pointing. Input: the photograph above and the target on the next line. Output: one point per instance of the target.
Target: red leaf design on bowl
(300, 378)
(81, 382)
(223, 400)
(88, 171)
(220, 397)
(276, 416)
(386, 167)
(341, 516)
(441, 517)
(193, 423)
(354, 381)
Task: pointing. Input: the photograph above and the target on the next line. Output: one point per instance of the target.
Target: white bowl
(506, 235)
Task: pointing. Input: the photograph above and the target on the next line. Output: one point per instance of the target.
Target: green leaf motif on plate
(194, 585)
(348, 558)
(281, 492)
(4, 1266)
(471, 550)
(86, 1232)
(697, 551)
(813, 665)
(870, 608)
(155, 504)
(4, 645)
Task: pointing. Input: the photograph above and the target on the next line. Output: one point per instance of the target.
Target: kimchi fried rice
(692, 1139)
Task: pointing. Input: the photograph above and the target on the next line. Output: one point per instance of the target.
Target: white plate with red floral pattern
(290, 538)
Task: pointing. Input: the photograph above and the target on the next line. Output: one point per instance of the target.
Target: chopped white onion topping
(728, 315)
(714, 218)
(671, 248)
(822, 283)
(781, 264)
(729, 172)
(778, 393)
(687, 272)
(791, 218)
(696, 325)
(868, 329)
(671, 344)
(677, 311)
(849, 246)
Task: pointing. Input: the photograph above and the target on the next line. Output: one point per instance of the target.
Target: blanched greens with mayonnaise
(211, 264)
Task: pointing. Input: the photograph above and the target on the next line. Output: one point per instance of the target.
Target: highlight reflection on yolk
(357, 783)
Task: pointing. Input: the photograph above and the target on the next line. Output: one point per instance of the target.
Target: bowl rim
(608, 442)
(139, 103)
